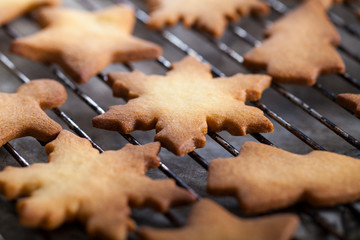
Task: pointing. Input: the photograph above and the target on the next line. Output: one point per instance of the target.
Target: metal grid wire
(327, 223)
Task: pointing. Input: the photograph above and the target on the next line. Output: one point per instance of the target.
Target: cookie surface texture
(327, 3)
(350, 101)
(209, 221)
(265, 178)
(84, 43)
(210, 15)
(185, 104)
(299, 47)
(22, 113)
(11, 9)
(95, 188)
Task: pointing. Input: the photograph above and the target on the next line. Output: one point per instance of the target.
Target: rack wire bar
(337, 20)
(350, 53)
(351, 8)
(350, 80)
(326, 226)
(175, 41)
(346, 136)
(22, 161)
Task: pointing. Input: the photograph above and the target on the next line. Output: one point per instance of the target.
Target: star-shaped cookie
(210, 15)
(350, 101)
(185, 104)
(209, 221)
(299, 47)
(265, 178)
(22, 113)
(11, 9)
(95, 188)
(84, 43)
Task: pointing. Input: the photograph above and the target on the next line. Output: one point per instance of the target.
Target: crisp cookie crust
(185, 104)
(350, 102)
(209, 221)
(22, 113)
(84, 43)
(96, 188)
(265, 178)
(11, 9)
(299, 47)
(210, 15)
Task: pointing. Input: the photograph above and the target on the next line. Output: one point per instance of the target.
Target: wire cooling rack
(305, 118)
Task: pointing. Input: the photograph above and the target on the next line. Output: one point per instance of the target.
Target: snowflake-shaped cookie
(95, 188)
(211, 15)
(185, 104)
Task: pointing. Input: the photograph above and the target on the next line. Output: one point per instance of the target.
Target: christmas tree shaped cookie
(299, 47)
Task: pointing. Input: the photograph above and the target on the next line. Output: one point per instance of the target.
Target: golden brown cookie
(185, 104)
(22, 113)
(84, 43)
(210, 15)
(11, 9)
(299, 47)
(95, 188)
(327, 3)
(264, 178)
(209, 221)
(350, 101)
